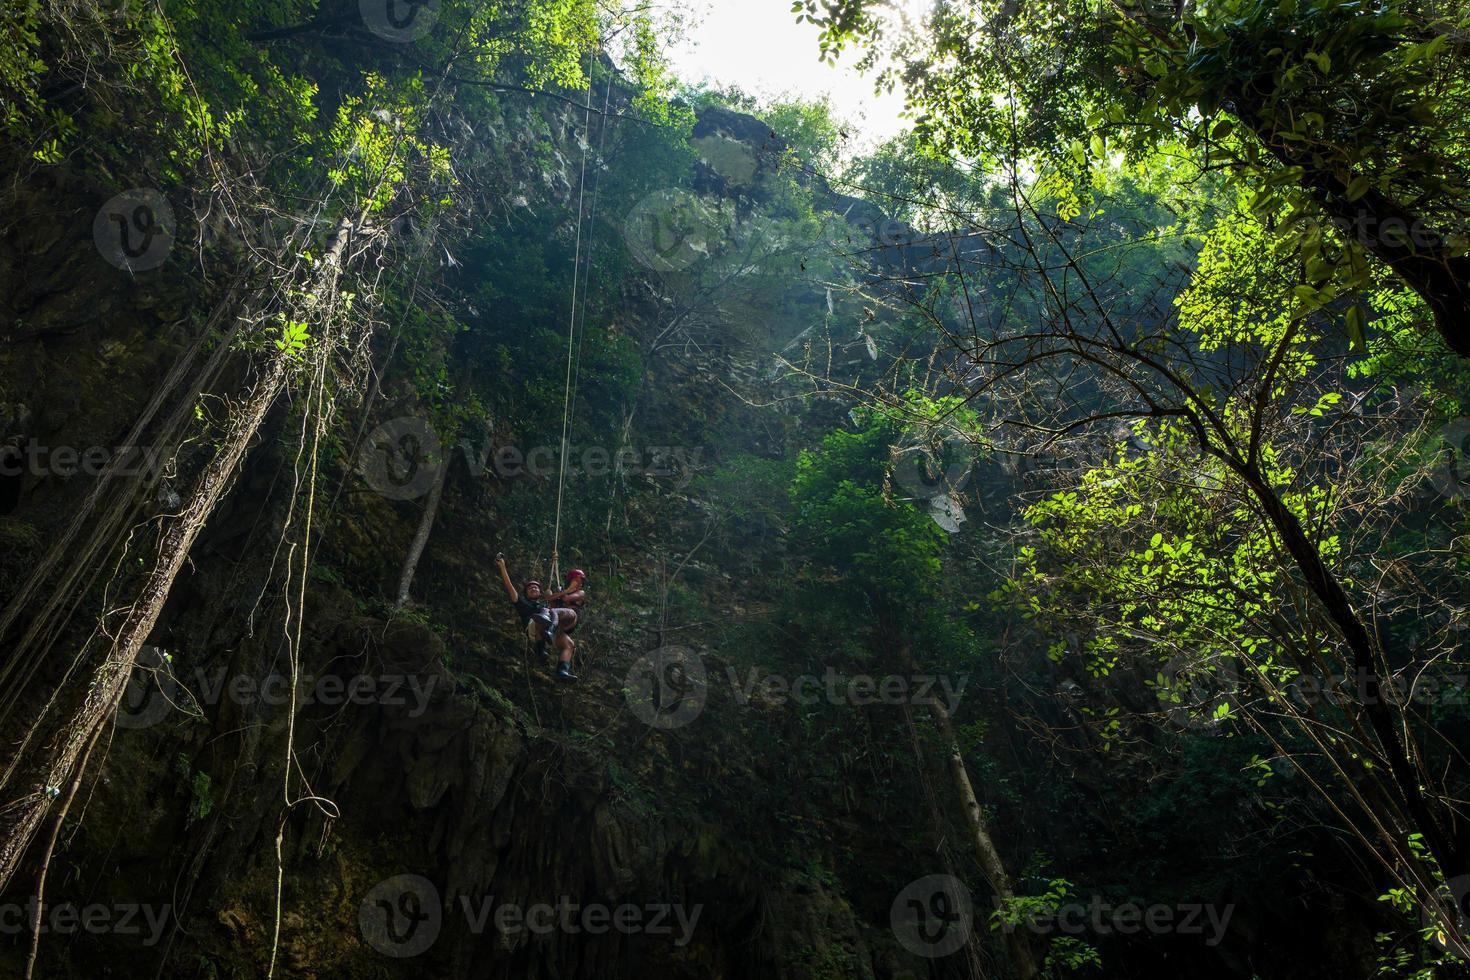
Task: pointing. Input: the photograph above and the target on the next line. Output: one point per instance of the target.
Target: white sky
(759, 46)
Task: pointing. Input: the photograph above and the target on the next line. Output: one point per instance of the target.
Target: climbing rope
(566, 406)
(591, 237)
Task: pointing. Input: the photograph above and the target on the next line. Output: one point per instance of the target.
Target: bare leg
(565, 645)
(566, 620)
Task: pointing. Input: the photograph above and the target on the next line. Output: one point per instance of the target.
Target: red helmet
(576, 573)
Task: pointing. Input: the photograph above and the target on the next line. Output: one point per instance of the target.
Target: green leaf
(1357, 323)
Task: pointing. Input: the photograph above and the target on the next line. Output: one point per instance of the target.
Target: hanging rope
(591, 238)
(566, 407)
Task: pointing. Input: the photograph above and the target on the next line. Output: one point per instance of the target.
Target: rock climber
(573, 597)
(567, 606)
(531, 604)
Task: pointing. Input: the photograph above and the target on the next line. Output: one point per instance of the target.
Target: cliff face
(466, 815)
(307, 774)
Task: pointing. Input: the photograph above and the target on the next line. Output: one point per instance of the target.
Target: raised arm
(510, 588)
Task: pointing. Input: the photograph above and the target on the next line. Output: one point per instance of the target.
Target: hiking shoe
(564, 672)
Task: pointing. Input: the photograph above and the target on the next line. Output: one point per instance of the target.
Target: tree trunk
(74, 558)
(22, 813)
(1418, 254)
(1422, 810)
(421, 536)
(1023, 957)
(977, 967)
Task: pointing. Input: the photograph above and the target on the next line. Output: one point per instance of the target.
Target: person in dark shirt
(532, 608)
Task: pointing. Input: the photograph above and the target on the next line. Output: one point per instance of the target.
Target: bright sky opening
(758, 46)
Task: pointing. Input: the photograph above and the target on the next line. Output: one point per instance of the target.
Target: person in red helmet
(574, 596)
(567, 605)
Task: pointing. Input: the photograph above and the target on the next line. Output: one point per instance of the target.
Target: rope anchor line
(572, 345)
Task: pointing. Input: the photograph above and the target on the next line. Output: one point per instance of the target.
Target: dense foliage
(1127, 392)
